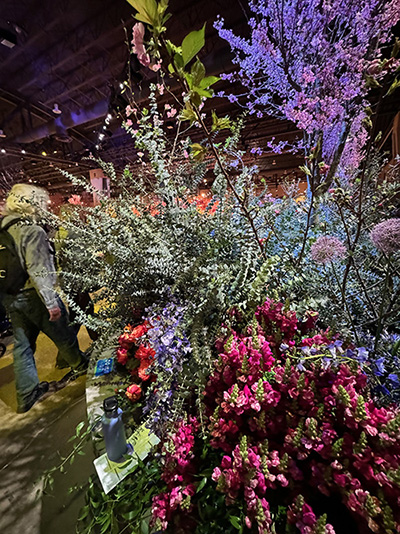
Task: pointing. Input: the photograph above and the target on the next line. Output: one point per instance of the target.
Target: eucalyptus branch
(379, 327)
(345, 303)
(351, 259)
(231, 185)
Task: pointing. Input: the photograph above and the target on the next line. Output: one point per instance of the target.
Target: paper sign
(111, 473)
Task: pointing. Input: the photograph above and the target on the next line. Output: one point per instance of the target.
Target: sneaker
(34, 397)
(62, 365)
(74, 373)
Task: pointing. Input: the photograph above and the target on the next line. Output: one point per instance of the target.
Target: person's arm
(40, 267)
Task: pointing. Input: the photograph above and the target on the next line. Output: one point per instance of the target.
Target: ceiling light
(3, 150)
(2, 134)
(8, 38)
(121, 85)
(104, 127)
(44, 153)
(97, 147)
(23, 151)
(101, 136)
(56, 109)
(109, 116)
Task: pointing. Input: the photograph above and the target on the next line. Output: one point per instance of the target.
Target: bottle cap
(110, 406)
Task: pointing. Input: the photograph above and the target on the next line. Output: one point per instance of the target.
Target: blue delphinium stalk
(172, 351)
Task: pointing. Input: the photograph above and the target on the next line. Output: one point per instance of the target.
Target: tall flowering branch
(313, 64)
(182, 63)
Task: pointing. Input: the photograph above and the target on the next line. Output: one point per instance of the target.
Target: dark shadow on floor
(32, 443)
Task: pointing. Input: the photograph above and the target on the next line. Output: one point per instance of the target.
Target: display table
(99, 388)
(141, 441)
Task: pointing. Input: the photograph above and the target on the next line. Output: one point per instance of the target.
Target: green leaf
(178, 60)
(201, 485)
(189, 79)
(195, 98)
(144, 527)
(79, 428)
(203, 92)
(208, 81)
(235, 521)
(192, 44)
(198, 71)
(393, 87)
(107, 523)
(187, 114)
(198, 151)
(129, 515)
(84, 513)
(143, 18)
(305, 169)
(171, 48)
(219, 123)
(147, 10)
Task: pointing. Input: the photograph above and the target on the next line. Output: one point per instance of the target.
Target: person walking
(36, 306)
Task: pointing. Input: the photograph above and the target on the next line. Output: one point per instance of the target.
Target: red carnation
(122, 356)
(145, 353)
(133, 392)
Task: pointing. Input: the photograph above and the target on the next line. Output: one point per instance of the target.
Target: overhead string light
(104, 129)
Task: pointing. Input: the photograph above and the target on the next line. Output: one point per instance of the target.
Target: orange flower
(145, 353)
(138, 331)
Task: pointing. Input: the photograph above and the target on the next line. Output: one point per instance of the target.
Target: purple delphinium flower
(327, 249)
(172, 351)
(386, 236)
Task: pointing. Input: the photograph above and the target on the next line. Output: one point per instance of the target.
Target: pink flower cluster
(386, 236)
(326, 249)
(178, 474)
(302, 516)
(286, 432)
(315, 430)
(279, 325)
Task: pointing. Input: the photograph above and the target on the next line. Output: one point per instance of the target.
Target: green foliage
(126, 508)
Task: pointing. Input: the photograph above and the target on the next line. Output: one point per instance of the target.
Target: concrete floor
(33, 442)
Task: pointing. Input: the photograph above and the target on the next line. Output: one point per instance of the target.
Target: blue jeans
(29, 316)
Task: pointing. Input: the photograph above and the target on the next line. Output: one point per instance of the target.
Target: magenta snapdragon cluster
(178, 474)
(299, 434)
